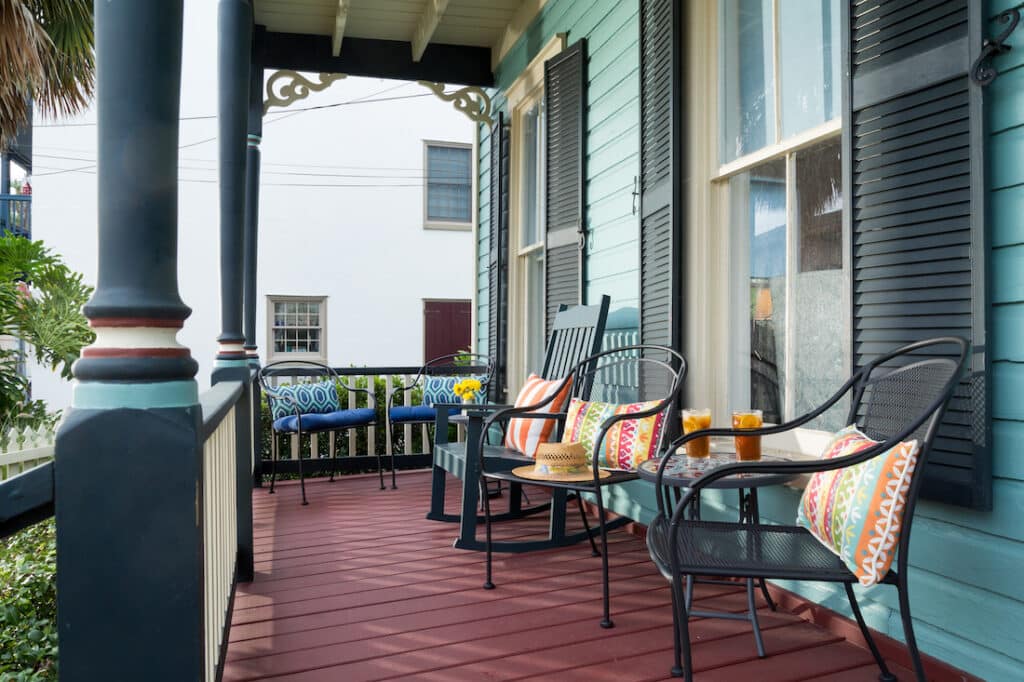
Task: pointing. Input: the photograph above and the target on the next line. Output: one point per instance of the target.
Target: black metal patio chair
(576, 334)
(436, 379)
(900, 395)
(618, 432)
(312, 407)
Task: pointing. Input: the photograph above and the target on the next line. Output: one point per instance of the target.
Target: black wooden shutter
(497, 268)
(565, 103)
(661, 205)
(913, 145)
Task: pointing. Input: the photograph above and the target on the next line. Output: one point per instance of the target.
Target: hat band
(546, 469)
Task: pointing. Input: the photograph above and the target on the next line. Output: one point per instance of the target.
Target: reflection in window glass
(809, 62)
(766, 231)
(820, 324)
(746, 77)
(535, 311)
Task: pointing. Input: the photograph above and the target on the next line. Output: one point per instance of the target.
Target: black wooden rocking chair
(576, 334)
(898, 396)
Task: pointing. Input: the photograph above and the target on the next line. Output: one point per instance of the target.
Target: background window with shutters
(297, 328)
(780, 179)
(447, 185)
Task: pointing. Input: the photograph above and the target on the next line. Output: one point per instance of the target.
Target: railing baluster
(388, 392)
(407, 429)
(351, 380)
(371, 431)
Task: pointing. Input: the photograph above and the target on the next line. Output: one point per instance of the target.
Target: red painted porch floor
(359, 586)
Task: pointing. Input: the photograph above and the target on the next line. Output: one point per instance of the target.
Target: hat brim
(530, 472)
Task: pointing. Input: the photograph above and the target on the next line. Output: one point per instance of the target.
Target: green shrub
(28, 604)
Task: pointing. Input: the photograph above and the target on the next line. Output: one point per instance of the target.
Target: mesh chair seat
(745, 550)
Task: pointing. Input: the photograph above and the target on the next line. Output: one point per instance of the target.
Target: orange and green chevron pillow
(857, 512)
(627, 444)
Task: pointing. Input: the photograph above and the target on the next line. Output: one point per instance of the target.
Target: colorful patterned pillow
(627, 444)
(857, 512)
(320, 397)
(441, 389)
(525, 435)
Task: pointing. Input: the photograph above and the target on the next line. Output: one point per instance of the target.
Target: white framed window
(776, 321)
(527, 217)
(297, 328)
(447, 185)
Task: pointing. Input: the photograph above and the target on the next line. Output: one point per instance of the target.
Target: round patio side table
(680, 474)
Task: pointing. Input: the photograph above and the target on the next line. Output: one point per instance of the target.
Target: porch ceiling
(425, 26)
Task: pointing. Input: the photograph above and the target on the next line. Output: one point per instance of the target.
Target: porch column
(252, 211)
(128, 455)
(234, 47)
(233, 55)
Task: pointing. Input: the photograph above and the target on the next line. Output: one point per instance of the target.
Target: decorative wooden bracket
(470, 100)
(982, 71)
(294, 87)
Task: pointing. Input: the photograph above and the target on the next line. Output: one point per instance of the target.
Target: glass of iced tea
(748, 448)
(697, 420)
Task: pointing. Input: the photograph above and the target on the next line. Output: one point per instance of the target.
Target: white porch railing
(21, 450)
(219, 523)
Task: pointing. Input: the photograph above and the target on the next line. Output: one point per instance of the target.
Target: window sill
(452, 227)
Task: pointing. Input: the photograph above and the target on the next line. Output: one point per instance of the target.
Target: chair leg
(586, 526)
(394, 486)
(606, 622)
(908, 628)
(302, 475)
(273, 460)
(380, 470)
(677, 653)
(885, 675)
(488, 584)
(332, 443)
(755, 625)
(767, 597)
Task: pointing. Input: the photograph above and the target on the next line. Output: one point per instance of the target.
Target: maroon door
(446, 327)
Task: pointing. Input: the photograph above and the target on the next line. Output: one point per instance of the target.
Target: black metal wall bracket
(982, 71)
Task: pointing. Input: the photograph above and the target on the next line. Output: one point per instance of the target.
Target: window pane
(810, 63)
(746, 78)
(448, 184)
(535, 311)
(532, 206)
(821, 321)
(759, 201)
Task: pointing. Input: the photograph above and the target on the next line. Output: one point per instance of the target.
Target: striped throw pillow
(628, 443)
(525, 435)
(857, 512)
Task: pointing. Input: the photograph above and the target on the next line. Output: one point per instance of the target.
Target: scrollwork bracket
(470, 100)
(286, 87)
(982, 71)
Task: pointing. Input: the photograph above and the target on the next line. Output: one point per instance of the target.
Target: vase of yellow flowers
(468, 389)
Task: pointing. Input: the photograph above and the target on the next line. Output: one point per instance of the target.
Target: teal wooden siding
(966, 590)
(613, 121)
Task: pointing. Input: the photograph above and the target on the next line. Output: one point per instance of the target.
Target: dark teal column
(252, 212)
(129, 454)
(233, 64)
(234, 19)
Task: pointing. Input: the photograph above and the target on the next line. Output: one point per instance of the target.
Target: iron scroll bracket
(982, 71)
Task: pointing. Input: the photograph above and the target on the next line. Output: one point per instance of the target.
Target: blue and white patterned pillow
(314, 398)
(441, 389)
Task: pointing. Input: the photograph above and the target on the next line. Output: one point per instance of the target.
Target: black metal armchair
(312, 407)
(898, 396)
(662, 367)
(436, 379)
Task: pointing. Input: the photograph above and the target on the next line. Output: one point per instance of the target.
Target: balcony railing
(16, 215)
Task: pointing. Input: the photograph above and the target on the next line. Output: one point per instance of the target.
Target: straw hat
(559, 462)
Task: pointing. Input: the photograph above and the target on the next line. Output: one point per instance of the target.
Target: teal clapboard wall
(613, 144)
(967, 594)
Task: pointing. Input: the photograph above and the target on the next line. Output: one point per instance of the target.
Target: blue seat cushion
(341, 419)
(416, 413)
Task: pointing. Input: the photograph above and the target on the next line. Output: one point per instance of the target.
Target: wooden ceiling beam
(340, 19)
(428, 23)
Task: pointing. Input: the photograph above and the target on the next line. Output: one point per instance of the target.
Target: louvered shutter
(661, 209)
(565, 104)
(913, 147)
(497, 267)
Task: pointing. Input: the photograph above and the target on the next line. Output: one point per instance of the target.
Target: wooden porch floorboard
(360, 586)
